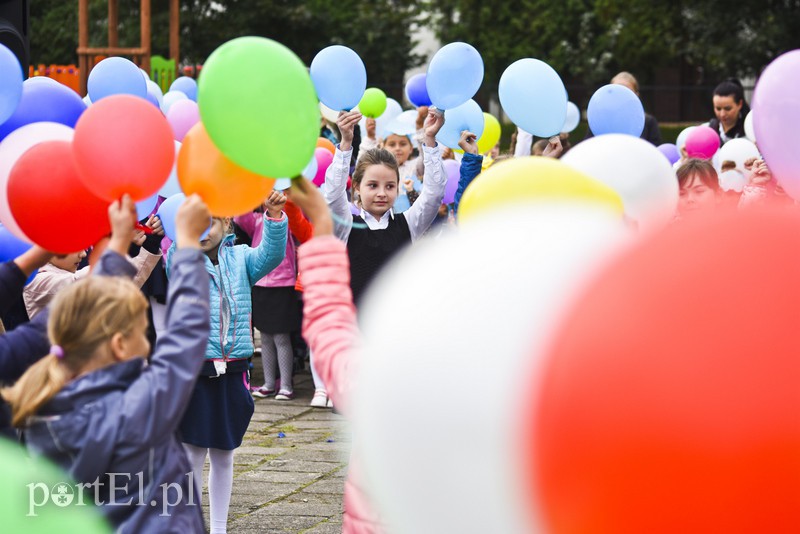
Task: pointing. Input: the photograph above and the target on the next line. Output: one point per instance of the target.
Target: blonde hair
(83, 316)
(373, 156)
(626, 78)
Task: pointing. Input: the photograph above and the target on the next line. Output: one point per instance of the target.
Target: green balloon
(259, 106)
(36, 497)
(373, 103)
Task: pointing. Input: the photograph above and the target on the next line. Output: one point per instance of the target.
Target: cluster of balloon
(534, 97)
(703, 432)
(226, 188)
(778, 107)
(44, 100)
(615, 109)
(270, 125)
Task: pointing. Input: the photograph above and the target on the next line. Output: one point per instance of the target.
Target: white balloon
(681, 141)
(87, 100)
(749, 128)
(738, 150)
(404, 124)
(573, 118)
(172, 186)
(328, 113)
(154, 89)
(733, 180)
(170, 97)
(12, 148)
(440, 404)
(636, 170)
(393, 109)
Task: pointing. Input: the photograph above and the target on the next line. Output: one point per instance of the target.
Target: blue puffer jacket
(117, 425)
(241, 267)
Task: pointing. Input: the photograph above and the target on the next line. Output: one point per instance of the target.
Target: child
(221, 406)
(94, 407)
(377, 232)
(275, 307)
(63, 270)
(699, 187)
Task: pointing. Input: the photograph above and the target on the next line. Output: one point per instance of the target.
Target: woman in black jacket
(730, 109)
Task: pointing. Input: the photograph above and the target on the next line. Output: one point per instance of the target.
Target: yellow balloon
(533, 179)
(491, 133)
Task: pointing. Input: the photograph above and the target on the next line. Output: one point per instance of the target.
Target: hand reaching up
(274, 204)
(347, 122)
(433, 123)
(310, 200)
(468, 142)
(122, 216)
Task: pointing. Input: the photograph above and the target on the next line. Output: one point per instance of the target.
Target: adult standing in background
(730, 110)
(651, 131)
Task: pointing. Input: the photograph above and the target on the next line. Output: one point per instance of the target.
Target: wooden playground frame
(140, 54)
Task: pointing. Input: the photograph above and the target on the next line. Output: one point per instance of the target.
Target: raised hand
(433, 123)
(468, 142)
(347, 122)
(310, 200)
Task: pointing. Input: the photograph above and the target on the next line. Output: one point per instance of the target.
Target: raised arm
(334, 188)
(470, 165)
(157, 400)
(272, 249)
(423, 212)
(329, 317)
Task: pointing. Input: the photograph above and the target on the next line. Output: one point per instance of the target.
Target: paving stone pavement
(289, 484)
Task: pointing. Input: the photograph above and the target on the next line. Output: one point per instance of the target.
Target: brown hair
(83, 316)
(626, 78)
(373, 156)
(700, 168)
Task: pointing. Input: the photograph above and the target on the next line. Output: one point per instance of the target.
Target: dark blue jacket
(471, 165)
(118, 424)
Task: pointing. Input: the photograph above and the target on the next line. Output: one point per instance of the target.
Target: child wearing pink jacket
(329, 326)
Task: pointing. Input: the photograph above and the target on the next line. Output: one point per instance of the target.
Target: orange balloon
(671, 399)
(325, 143)
(225, 187)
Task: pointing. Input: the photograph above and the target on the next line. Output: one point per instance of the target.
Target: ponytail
(40, 383)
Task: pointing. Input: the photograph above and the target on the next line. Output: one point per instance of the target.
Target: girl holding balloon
(220, 408)
(376, 233)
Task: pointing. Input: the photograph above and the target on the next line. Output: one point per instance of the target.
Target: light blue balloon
(533, 96)
(116, 76)
(467, 116)
(172, 186)
(10, 83)
(185, 85)
(282, 184)
(339, 77)
(615, 109)
(154, 90)
(145, 207)
(454, 75)
(573, 118)
(681, 141)
(311, 169)
(167, 212)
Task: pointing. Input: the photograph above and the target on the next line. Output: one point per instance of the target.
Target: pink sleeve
(329, 317)
(247, 222)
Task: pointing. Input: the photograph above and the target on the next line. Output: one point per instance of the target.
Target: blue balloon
(467, 116)
(615, 109)
(533, 96)
(282, 184)
(167, 212)
(11, 247)
(10, 83)
(417, 90)
(185, 85)
(145, 207)
(116, 76)
(45, 101)
(455, 74)
(153, 100)
(339, 77)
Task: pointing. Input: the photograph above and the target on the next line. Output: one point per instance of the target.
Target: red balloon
(50, 202)
(123, 144)
(671, 399)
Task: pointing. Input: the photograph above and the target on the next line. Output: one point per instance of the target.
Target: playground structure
(161, 71)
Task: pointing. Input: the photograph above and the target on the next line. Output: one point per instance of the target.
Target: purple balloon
(42, 101)
(670, 151)
(417, 91)
(453, 170)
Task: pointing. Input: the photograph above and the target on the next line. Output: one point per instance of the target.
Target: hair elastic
(57, 351)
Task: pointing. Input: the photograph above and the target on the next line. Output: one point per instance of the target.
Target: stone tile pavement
(289, 472)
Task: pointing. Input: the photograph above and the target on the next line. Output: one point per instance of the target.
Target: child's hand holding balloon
(433, 123)
(191, 222)
(347, 122)
(468, 142)
(122, 217)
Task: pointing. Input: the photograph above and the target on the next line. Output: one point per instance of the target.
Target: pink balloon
(702, 142)
(453, 170)
(324, 159)
(778, 103)
(182, 115)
